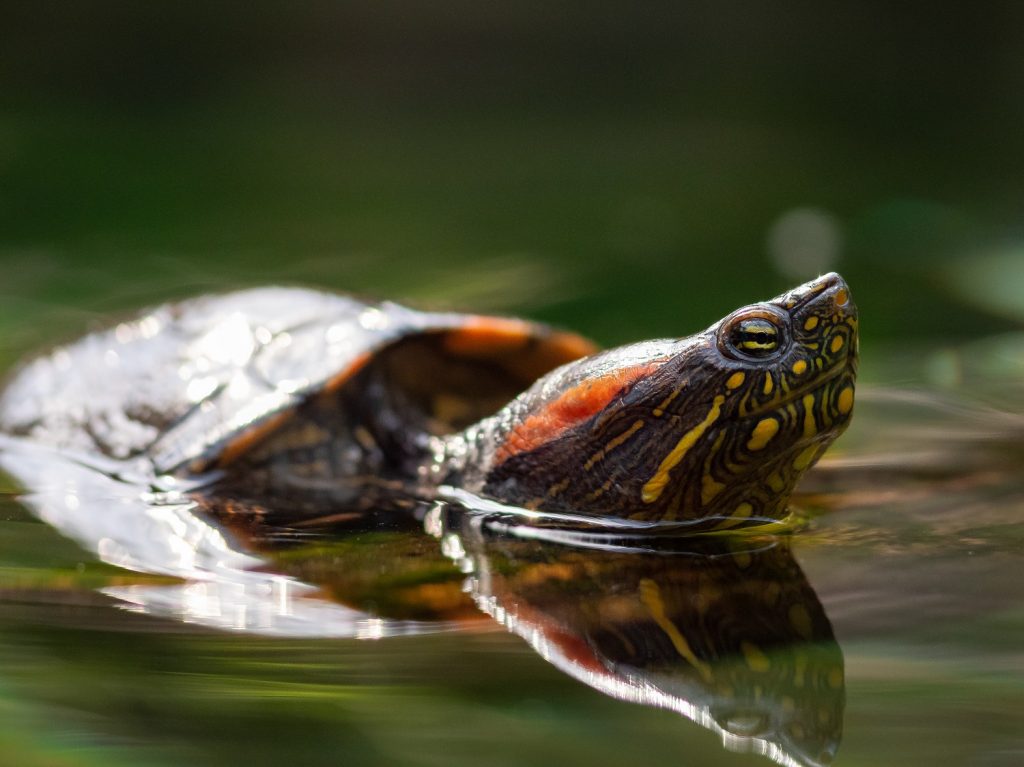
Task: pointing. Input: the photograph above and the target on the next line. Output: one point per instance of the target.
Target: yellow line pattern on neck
(612, 444)
(656, 484)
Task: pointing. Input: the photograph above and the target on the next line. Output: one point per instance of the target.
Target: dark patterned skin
(716, 428)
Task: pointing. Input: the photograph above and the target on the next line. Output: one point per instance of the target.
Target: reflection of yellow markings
(803, 460)
(769, 384)
(800, 620)
(845, 401)
(735, 380)
(756, 660)
(656, 484)
(837, 344)
(612, 444)
(800, 367)
(811, 323)
(835, 678)
(799, 669)
(763, 432)
(810, 427)
(776, 483)
(650, 596)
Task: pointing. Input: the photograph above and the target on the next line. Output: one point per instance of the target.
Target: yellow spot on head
(800, 367)
(837, 344)
(800, 620)
(655, 485)
(845, 401)
(776, 483)
(812, 322)
(769, 384)
(842, 297)
(763, 432)
(735, 380)
(835, 678)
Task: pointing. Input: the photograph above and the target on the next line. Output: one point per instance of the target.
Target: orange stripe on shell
(483, 336)
(572, 407)
(486, 336)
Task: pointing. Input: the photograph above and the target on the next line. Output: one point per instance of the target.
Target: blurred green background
(629, 170)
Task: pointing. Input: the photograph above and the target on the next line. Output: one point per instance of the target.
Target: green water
(621, 174)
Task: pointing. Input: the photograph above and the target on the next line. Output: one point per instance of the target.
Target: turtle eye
(755, 337)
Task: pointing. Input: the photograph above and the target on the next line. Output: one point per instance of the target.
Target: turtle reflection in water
(275, 410)
(725, 631)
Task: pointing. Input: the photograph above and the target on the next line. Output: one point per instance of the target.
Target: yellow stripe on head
(655, 485)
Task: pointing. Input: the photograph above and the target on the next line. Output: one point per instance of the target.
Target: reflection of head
(735, 640)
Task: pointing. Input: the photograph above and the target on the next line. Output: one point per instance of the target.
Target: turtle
(306, 401)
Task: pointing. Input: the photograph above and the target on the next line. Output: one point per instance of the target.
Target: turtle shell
(195, 383)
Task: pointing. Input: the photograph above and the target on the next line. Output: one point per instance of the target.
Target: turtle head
(714, 429)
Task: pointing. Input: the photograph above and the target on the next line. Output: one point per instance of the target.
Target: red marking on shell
(572, 407)
(570, 645)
